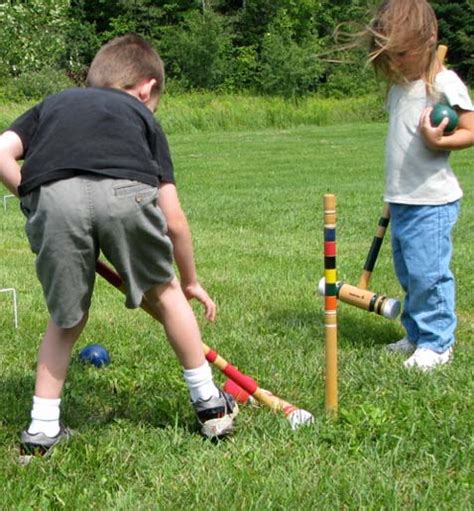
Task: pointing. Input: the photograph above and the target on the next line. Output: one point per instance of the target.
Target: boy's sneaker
(426, 359)
(401, 346)
(39, 444)
(216, 415)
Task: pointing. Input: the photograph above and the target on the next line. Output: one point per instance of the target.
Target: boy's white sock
(45, 416)
(200, 383)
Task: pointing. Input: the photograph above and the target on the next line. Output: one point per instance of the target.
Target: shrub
(199, 54)
(350, 80)
(81, 45)
(35, 85)
(32, 35)
(286, 67)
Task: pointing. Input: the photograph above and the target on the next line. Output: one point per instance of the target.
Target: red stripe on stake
(329, 248)
(330, 303)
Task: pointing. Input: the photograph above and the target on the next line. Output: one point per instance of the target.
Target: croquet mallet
(296, 416)
(375, 248)
(360, 296)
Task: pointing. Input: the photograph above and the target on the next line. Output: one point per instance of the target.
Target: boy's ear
(145, 90)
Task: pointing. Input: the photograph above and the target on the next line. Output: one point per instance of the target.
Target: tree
(286, 67)
(32, 35)
(456, 30)
(198, 55)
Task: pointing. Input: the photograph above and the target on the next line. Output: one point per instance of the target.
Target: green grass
(254, 200)
(197, 112)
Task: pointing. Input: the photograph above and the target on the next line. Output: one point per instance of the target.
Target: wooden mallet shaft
(375, 248)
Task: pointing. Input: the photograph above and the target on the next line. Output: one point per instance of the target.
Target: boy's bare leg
(215, 410)
(45, 431)
(183, 333)
(179, 321)
(54, 357)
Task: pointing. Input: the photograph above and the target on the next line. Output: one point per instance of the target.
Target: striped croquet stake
(330, 302)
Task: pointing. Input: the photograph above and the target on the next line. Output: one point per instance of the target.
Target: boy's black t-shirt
(92, 130)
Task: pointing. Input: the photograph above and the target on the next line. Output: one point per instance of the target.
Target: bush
(350, 80)
(35, 85)
(81, 45)
(199, 54)
(287, 68)
(32, 35)
(243, 69)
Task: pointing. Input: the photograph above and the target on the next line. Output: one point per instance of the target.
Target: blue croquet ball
(94, 354)
(439, 112)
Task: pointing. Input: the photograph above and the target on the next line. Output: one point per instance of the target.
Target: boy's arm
(11, 150)
(462, 138)
(180, 234)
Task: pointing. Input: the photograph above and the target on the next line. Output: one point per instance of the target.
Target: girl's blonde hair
(400, 26)
(124, 62)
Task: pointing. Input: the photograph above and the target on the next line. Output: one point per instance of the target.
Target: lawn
(254, 199)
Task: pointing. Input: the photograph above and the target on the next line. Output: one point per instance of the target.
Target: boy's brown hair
(124, 62)
(400, 26)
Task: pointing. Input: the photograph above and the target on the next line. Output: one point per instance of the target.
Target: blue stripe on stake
(329, 234)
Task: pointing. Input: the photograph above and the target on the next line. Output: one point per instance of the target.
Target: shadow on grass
(17, 394)
(98, 398)
(355, 327)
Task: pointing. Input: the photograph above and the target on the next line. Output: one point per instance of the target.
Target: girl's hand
(433, 136)
(200, 294)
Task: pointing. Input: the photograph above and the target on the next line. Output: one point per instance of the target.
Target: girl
(421, 188)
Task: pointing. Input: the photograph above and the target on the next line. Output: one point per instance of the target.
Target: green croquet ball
(440, 111)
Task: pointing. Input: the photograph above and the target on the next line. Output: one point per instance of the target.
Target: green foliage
(81, 44)
(199, 54)
(456, 30)
(208, 112)
(194, 112)
(35, 85)
(243, 69)
(276, 47)
(32, 35)
(287, 68)
(352, 79)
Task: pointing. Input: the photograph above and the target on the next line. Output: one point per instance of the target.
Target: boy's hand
(433, 135)
(199, 293)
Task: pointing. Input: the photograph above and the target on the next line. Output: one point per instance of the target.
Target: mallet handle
(375, 248)
(441, 52)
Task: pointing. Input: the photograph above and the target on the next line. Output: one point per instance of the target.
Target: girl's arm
(11, 150)
(461, 138)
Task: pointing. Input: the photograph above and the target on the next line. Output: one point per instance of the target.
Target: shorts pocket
(132, 188)
(140, 194)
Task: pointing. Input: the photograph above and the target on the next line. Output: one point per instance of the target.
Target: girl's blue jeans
(422, 249)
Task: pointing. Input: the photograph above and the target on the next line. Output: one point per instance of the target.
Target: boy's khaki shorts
(70, 221)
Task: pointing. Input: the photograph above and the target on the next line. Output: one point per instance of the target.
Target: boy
(97, 176)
